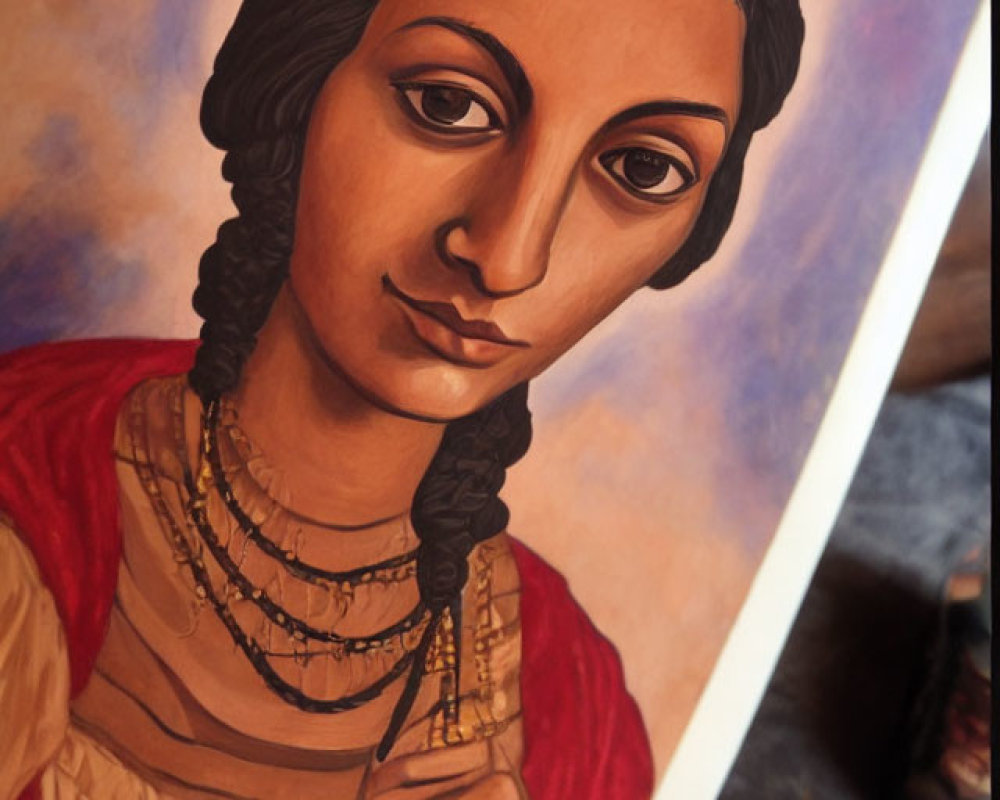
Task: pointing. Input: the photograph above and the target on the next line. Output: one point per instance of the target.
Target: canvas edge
(725, 710)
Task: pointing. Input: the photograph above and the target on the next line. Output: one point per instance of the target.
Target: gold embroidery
(480, 712)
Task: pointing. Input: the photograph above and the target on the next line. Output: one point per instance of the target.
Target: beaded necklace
(345, 580)
(415, 658)
(486, 708)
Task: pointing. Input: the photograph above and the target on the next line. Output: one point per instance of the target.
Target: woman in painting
(273, 563)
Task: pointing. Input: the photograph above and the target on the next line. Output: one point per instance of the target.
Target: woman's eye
(448, 108)
(647, 173)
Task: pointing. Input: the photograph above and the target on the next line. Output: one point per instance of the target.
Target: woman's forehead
(614, 53)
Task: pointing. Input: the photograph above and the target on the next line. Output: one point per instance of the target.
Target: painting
(421, 399)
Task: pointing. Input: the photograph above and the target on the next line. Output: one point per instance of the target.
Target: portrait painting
(415, 399)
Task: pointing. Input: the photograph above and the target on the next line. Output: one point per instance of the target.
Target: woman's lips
(474, 343)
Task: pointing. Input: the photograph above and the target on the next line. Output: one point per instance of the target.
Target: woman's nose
(504, 240)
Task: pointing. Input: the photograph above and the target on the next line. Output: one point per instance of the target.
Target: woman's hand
(473, 771)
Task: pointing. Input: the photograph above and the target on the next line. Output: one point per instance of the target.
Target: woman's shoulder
(53, 366)
(34, 668)
(59, 404)
(577, 709)
(74, 388)
(554, 623)
(546, 597)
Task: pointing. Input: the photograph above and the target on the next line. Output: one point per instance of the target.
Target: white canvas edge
(726, 708)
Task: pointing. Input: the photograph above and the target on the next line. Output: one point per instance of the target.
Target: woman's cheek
(611, 248)
(590, 279)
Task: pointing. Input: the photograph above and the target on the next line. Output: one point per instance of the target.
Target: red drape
(584, 737)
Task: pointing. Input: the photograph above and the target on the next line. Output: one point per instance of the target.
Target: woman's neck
(343, 458)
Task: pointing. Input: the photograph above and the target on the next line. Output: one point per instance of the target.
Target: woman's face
(484, 182)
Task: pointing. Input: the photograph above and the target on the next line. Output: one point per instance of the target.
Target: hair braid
(240, 275)
(456, 505)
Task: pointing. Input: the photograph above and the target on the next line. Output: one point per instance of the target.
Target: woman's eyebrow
(684, 108)
(505, 60)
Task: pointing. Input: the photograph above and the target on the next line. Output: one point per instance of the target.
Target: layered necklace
(415, 633)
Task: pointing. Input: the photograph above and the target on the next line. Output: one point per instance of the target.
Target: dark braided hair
(257, 106)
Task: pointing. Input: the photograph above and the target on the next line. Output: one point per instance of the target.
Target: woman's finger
(443, 770)
(493, 787)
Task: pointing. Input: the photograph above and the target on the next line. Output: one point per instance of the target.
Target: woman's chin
(440, 393)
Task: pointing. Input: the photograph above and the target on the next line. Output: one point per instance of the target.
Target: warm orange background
(668, 442)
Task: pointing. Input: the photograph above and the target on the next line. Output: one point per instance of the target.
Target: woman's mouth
(472, 343)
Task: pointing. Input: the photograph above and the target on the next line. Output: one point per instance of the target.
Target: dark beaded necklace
(258, 657)
(289, 559)
(295, 627)
(239, 441)
(413, 660)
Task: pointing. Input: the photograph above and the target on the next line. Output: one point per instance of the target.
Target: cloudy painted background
(668, 442)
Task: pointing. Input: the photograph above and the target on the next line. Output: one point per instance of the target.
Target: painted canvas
(434, 448)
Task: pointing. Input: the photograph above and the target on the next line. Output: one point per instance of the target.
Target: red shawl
(584, 737)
